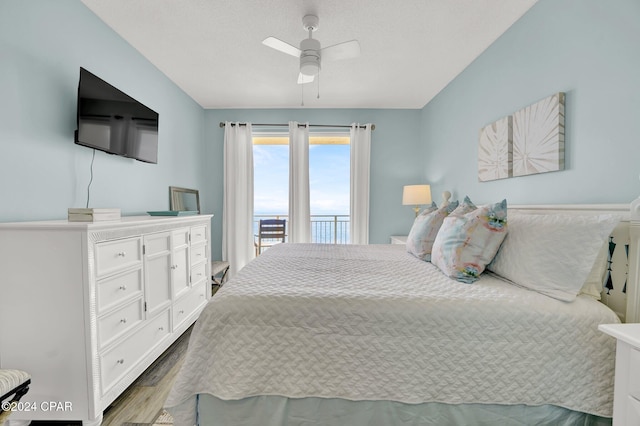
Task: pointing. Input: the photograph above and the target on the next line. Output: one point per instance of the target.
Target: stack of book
(93, 215)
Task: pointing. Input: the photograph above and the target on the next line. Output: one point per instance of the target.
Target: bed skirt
(281, 411)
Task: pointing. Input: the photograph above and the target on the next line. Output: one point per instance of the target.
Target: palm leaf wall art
(528, 142)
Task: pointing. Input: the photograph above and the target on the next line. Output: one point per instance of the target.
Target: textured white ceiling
(212, 49)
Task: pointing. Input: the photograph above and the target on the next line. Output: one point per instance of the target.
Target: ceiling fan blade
(281, 46)
(345, 50)
(304, 79)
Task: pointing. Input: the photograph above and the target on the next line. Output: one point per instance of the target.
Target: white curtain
(299, 226)
(237, 209)
(360, 164)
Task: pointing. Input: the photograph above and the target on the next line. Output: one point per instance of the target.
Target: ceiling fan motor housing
(310, 57)
(310, 22)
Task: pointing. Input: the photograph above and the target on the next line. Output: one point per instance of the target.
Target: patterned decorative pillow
(465, 207)
(467, 243)
(433, 207)
(425, 228)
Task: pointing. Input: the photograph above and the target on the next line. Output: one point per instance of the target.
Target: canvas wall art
(528, 142)
(495, 150)
(538, 137)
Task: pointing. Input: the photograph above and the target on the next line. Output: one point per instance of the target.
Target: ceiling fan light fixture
(309, 65)
(311, 53)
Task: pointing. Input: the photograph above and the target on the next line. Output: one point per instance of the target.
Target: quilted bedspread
(375, 323)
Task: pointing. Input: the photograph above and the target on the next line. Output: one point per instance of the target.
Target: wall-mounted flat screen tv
(113, 122)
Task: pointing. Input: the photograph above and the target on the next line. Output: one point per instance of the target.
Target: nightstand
(398, 239)
(626, 394)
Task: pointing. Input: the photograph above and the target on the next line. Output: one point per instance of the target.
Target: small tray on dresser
(173, 213)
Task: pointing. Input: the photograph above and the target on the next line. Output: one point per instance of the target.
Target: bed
(310, 334)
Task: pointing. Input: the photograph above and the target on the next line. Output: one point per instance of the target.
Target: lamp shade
(415, 195)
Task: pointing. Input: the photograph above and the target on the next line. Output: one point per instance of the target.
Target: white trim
(633, 282)
(623, 209)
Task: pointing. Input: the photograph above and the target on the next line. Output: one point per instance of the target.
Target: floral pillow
(425, 228)
(465, 207)
(467, 243)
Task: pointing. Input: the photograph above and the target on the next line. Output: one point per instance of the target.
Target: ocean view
(329, 186)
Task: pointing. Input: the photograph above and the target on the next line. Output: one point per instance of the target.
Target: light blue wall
(587, 48)
(394, 158)
(42, 172)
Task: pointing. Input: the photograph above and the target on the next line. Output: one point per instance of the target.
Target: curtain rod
(373, 126)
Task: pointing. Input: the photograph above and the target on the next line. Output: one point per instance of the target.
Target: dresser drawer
(198, 234)
(198, 273)
(198, 254)
(117, 361)
(189, 303)
(118, 289)
(118, 322)
(633, 368)
(113, 256)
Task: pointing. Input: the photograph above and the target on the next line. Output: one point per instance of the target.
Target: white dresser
(626, 399)
(85, 308)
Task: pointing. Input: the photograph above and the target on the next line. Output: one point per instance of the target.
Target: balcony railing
(325, 228)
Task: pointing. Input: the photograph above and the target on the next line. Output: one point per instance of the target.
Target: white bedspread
(375, 323)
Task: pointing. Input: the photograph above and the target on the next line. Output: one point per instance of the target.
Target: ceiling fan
(310, 53)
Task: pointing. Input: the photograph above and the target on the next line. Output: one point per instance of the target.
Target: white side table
(626, 396)
(398, 239)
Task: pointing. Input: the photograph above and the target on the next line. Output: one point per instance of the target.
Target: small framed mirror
(184, 199)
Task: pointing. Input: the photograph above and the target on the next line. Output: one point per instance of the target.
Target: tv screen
(113, 122)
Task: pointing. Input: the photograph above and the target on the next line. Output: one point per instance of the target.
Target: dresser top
(125, 221)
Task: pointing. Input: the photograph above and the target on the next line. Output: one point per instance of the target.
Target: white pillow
(552, 253)
(594, 284)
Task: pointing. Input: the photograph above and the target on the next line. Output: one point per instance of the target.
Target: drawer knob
(123, 287)
(122, 254)
(161, 328)
(120, 361)
(181, 311)
(174, 266)
(123, 320)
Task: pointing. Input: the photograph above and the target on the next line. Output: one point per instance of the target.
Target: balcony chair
(270, 232)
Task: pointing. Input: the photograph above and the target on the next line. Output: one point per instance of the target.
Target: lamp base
(417, 210)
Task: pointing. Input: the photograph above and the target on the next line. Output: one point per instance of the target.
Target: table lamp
(416, 195)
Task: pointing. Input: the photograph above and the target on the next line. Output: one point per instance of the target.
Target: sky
(328, 179)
